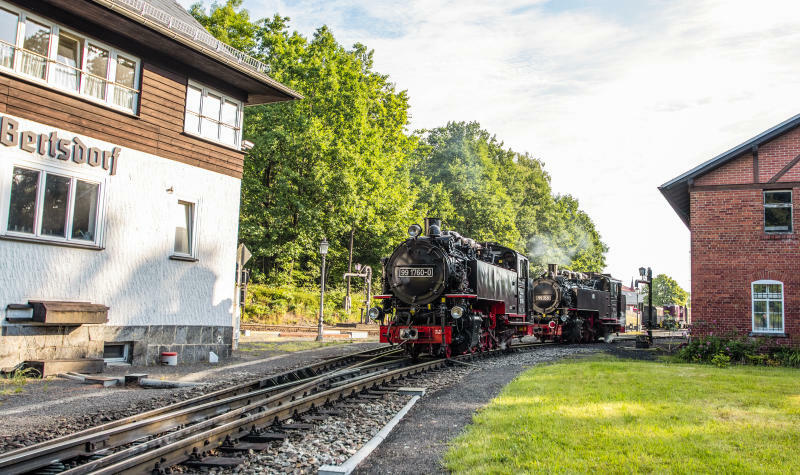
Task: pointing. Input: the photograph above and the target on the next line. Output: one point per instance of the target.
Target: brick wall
(730, 249)
(736, 171)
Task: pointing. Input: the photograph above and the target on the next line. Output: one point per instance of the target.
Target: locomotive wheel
(415, 351)
(575, 333)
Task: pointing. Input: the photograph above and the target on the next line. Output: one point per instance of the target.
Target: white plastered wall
(133, 274)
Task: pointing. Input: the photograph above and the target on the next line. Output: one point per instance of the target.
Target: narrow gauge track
(187, 431)
(99, 439)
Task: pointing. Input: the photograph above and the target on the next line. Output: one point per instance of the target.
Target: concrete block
(181, 334)
(194, 334)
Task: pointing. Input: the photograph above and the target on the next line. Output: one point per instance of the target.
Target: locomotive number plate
(415, 272)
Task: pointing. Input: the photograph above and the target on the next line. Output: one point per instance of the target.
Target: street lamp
(647, 278)
(323, 250)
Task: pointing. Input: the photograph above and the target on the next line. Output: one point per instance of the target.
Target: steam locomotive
(445, 294)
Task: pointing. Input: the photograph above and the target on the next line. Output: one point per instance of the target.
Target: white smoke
(557, 248)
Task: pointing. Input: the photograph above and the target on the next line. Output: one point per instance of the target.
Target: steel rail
(225, 413)
(177, 447)
(122, 431)
(173, 448)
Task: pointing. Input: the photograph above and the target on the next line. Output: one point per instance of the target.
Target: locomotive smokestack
(432, 222)
(552, 269)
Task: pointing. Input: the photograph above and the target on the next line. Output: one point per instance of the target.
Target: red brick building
(739, 207)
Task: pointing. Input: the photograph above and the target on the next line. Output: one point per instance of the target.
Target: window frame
(204, 92)
(125, 359)
(789, 205)
(37, 236)
(52, 59)
(767, 300)
(193, 241)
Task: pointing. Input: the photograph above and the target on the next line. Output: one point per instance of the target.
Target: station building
(120, 169)
(745, 246)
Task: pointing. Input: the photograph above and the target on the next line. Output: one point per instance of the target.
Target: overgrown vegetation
(621, 416)
(290, 305)
(721, 351)
(15, 383)
(341, 162)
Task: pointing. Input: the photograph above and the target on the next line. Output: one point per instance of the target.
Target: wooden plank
(160, 82)
(201, 162)
(155, 69)
(53, 367)
(122, 142)
(60, 101)
(165, 127)
(156, 109)
(165, 97)
(120, 136)
(201, 147)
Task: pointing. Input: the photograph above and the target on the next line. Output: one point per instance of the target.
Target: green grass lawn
(604, 414)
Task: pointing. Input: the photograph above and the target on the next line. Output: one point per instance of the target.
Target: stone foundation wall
(21, 342)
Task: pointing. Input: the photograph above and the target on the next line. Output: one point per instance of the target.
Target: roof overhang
(676, 191)
(238, 70)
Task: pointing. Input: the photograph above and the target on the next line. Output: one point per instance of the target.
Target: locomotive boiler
(445, 294)
(577, 307)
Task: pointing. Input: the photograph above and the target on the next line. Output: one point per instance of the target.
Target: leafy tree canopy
(666, 291)
(342, 161)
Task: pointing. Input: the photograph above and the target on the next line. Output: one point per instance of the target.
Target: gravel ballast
(416, 445)
(50, 408)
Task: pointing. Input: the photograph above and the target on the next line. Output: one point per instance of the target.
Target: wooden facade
(158, 128)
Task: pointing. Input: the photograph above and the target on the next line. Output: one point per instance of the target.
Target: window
(212, 115)
(117, 352)
(767, 306)
(8, 37)
(53, 207)
(778, 211)
(47, 52)
(183, 217)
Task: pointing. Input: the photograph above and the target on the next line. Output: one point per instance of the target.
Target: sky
(615, 97)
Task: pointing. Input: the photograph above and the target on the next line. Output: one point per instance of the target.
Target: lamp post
(647, 278)
(323, 250)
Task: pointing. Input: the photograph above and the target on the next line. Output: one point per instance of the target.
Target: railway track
(236, 418)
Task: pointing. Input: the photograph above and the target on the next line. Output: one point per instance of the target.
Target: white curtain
(124, 97)
(65, 77)
(6, 55)
(33, 65)
(94, 87)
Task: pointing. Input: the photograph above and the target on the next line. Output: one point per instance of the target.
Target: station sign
(58, 148)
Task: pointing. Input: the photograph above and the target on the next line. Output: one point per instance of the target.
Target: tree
(666, 291)
(334, 162)
(488, 192)
(340, 161)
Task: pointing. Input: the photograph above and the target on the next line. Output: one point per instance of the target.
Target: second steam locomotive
(446, 294)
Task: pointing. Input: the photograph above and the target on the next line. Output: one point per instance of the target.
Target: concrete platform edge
(351, 463)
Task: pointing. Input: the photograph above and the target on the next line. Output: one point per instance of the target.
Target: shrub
(721, 360)
(740, 350)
